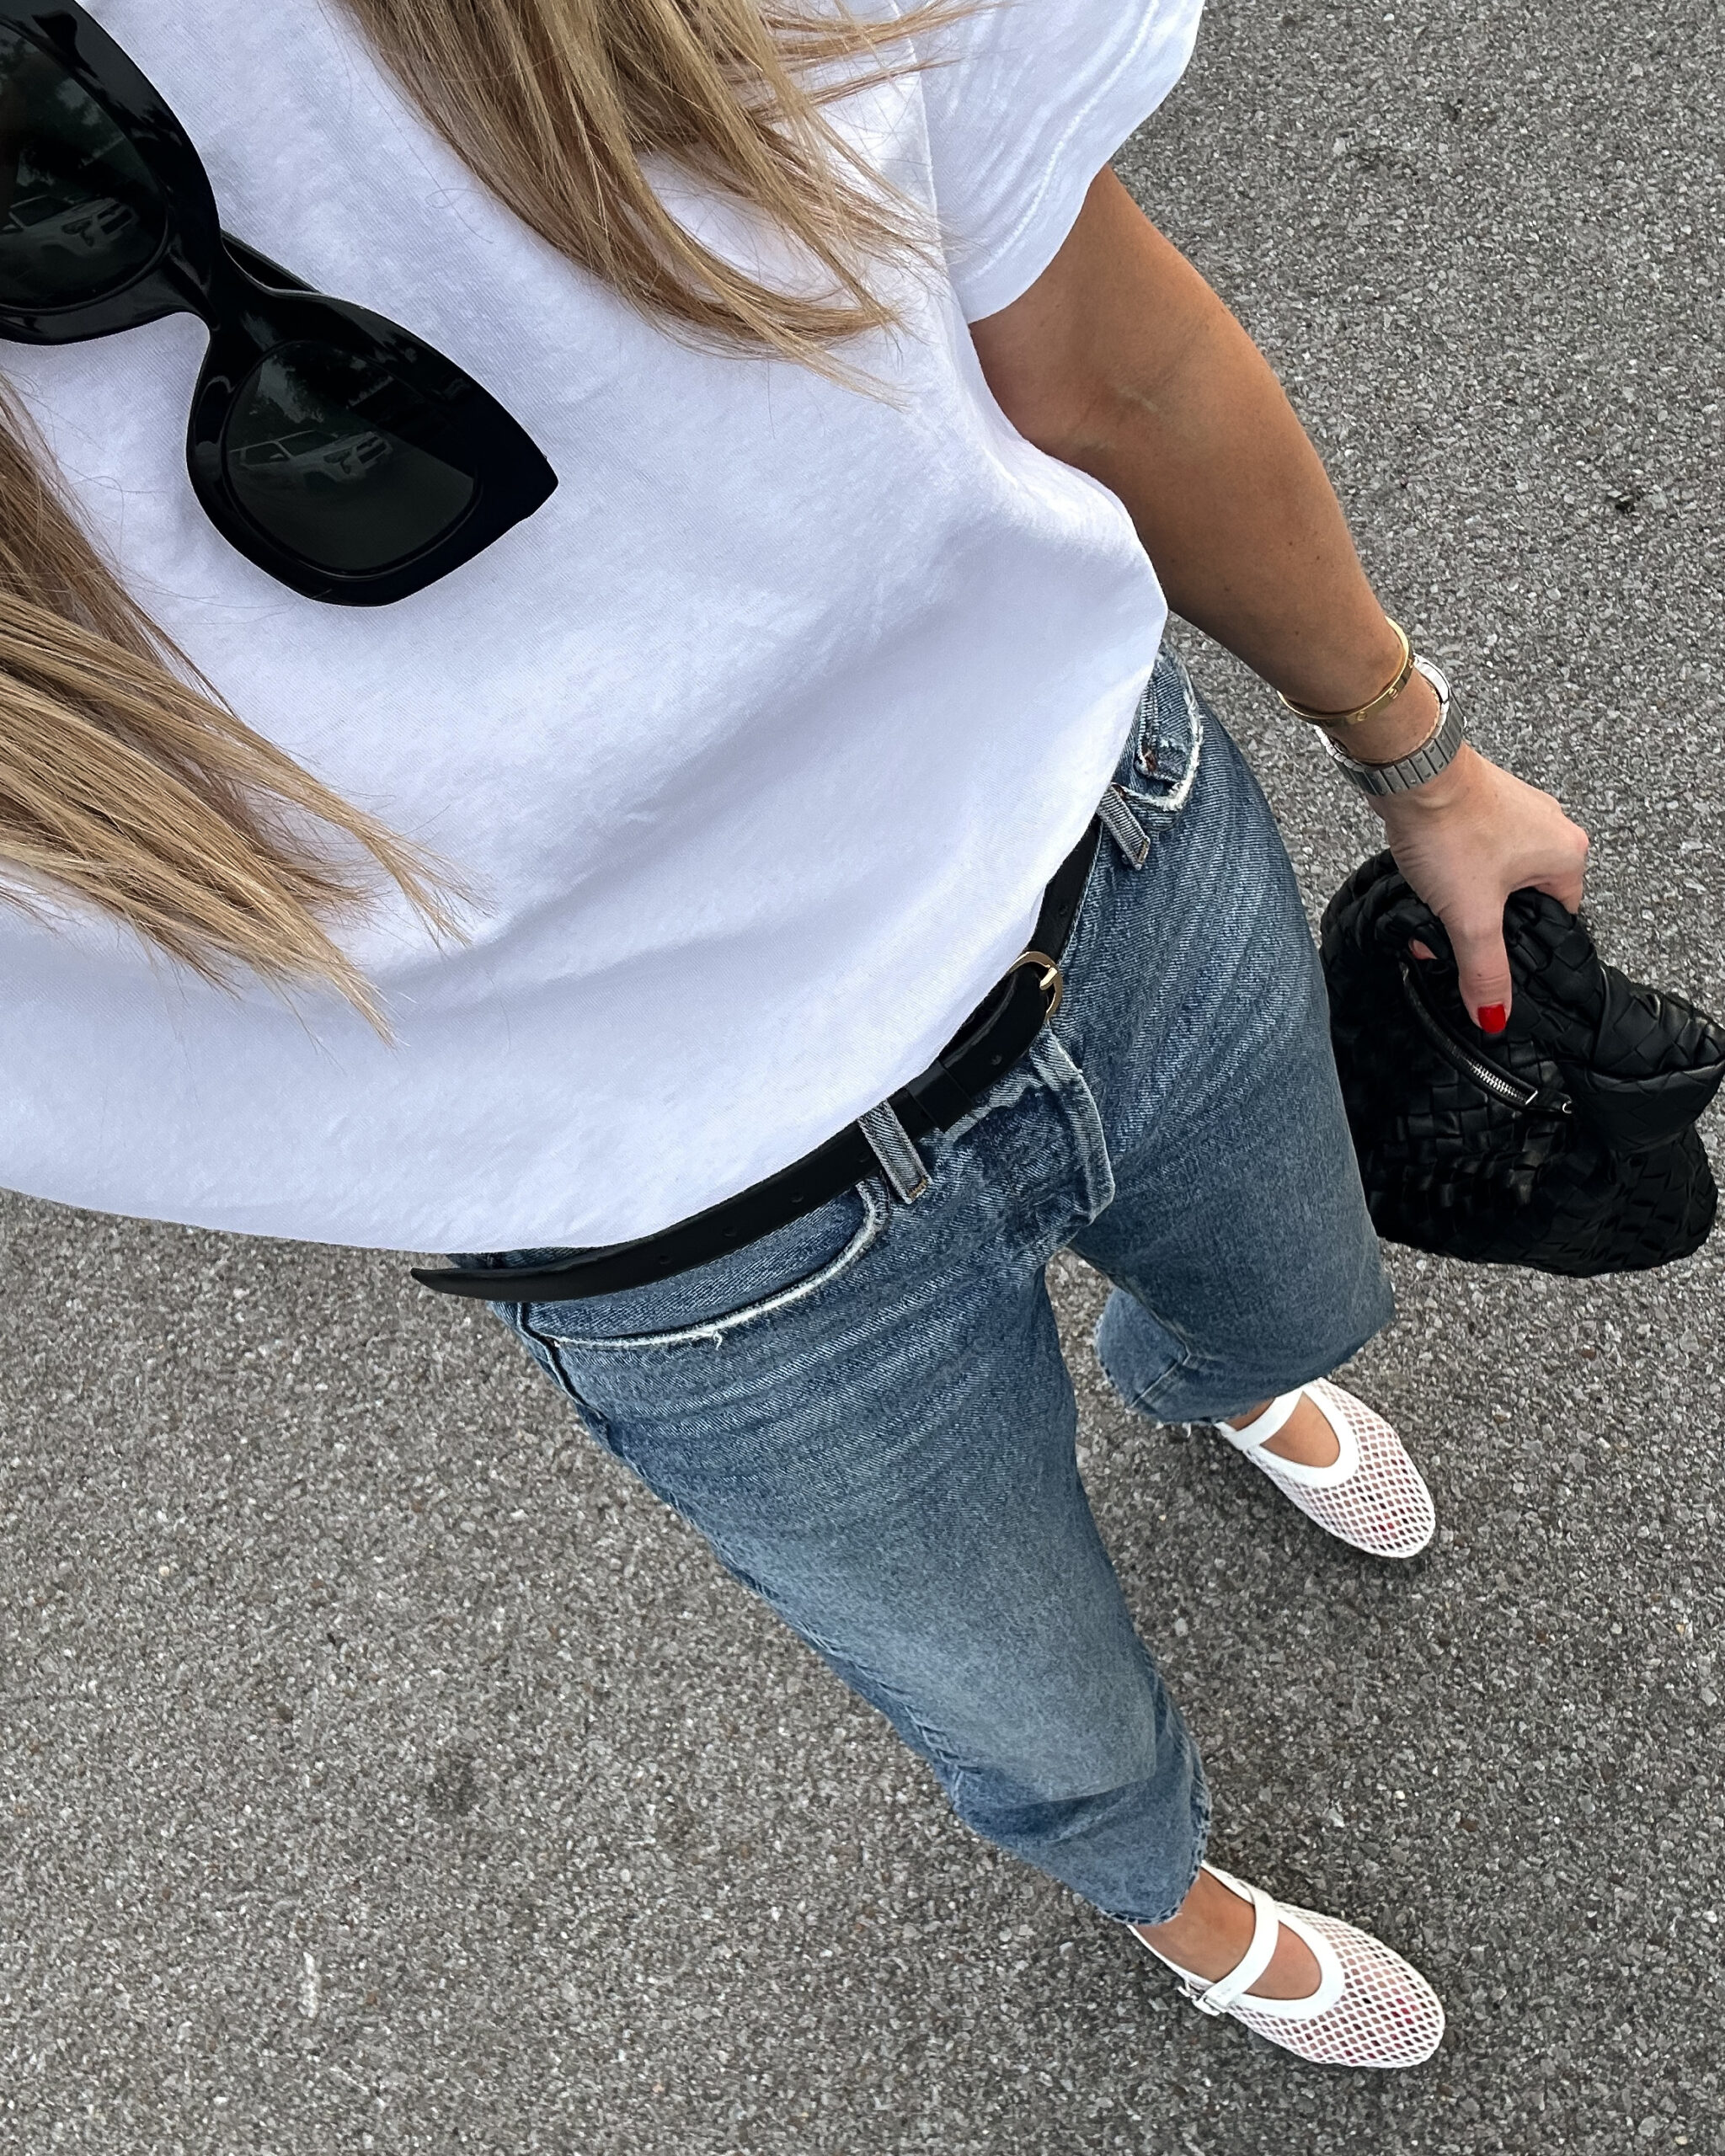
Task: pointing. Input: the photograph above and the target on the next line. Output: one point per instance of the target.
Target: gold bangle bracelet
(1381, 703)
(1419, 747)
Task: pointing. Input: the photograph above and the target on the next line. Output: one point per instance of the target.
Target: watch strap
(1436, 753)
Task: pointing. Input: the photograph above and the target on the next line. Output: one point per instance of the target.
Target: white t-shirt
(758, 741)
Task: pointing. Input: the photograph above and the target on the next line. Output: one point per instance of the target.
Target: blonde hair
(125, 784)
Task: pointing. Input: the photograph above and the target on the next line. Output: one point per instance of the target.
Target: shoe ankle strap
(1262, 1427)
(1266, 1927)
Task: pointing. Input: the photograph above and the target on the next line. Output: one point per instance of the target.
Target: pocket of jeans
(778, 1273)
(1156, 774)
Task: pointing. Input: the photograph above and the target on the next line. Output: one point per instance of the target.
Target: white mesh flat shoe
(1371, 2008)
(1370, 1495)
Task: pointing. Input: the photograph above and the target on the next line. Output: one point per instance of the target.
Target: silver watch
(1433, 754)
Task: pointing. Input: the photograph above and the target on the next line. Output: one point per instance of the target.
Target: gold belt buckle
(1053, 983)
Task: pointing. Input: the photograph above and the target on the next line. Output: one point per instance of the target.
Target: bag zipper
(1515, 1091)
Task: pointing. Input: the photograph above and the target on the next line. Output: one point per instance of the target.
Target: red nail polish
(1492, 1018)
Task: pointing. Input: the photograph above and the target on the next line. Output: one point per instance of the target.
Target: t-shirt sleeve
(1026, 100)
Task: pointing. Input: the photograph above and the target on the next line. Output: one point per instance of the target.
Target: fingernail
(1492, 1018)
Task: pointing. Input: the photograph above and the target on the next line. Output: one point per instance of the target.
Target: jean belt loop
(891, 1144)
(1124, 828)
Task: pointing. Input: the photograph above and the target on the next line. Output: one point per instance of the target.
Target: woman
(719, 576)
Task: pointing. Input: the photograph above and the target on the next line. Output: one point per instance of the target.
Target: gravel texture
(382, 1770)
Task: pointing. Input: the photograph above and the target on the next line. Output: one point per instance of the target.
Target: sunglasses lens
(80, 214)
(324, 451)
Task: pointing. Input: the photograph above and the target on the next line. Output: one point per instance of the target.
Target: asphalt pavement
(381, 1769)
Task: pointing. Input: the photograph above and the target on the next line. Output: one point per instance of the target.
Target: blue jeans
(867, 1412)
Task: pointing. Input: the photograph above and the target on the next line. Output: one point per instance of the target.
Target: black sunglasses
(331, 447)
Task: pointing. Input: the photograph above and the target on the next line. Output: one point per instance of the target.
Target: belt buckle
(1053, 983)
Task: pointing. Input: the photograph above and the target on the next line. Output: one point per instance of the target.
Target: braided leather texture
(1616, 1182)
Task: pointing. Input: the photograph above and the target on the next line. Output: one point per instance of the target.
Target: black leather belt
(990, 1041)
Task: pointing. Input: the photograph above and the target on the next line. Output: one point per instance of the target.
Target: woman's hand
(1465, 840)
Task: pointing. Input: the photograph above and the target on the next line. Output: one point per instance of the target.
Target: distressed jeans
(867, 1412)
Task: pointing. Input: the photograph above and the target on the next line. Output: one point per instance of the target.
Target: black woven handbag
(1567, 1142)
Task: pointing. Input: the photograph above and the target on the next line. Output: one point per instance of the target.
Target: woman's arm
(1121, 361)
